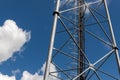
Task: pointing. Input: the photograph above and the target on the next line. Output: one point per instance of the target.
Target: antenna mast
(81, 65)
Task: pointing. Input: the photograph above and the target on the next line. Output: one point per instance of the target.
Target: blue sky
(36, 16)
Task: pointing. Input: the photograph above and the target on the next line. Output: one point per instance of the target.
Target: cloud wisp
(28, 76)
(12, 39)
(6, 77)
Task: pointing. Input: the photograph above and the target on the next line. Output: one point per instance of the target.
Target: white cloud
(12, 39)
(52, 69)
(6, 77)
(43, 68)
(15, 72)
(28, 76)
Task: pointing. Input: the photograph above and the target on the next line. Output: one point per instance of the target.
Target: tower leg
(47, 69)
(112, 35)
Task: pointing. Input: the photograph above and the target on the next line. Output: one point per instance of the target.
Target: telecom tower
(82, 44)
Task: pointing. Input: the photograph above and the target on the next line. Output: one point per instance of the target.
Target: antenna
(82, 44)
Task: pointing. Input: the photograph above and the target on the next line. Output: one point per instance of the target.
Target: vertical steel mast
(81, 39)
(82, 44)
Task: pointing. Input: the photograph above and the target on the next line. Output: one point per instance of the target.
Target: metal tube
(47, 69)
(107, 55)
(81, 73)
(112, 35)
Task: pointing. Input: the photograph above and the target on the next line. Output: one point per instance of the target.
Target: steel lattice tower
(82, 44)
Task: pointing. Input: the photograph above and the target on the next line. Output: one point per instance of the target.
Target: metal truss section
(82, 44)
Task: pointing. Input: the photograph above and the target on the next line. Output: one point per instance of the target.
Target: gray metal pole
(112, 34)
(81, 40)
(47, 69)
